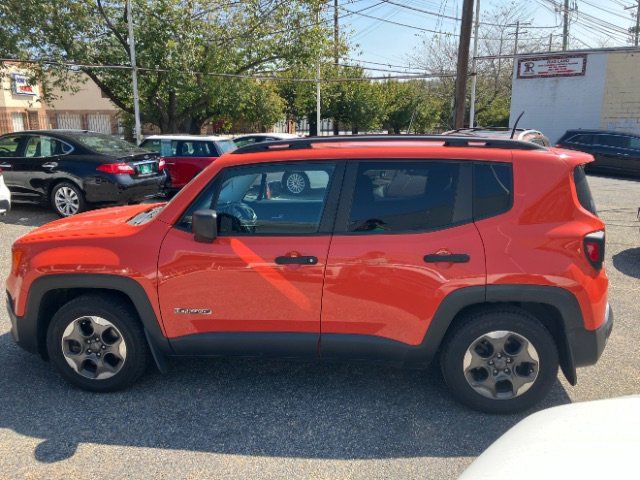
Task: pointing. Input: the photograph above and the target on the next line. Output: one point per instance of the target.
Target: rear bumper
(587, 345)
(122, 189)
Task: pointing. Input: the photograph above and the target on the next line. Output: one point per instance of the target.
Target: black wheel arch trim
(580, 348)
(29, 326)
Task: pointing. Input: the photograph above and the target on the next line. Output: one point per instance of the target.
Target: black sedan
(72, 170)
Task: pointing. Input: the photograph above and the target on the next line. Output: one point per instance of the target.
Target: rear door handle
(5, 165)
(447, 258)
(50, 165)
(297, 260)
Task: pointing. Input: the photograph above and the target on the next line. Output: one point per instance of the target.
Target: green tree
(180, 45)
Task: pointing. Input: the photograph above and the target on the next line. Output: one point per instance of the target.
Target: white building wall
(554, 105)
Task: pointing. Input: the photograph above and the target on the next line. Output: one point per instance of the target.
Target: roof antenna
(515, 125)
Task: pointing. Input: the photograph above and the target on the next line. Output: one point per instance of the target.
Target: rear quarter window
(582, 189)
(492, 189)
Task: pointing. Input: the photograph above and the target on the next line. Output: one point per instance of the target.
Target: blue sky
(596, 23)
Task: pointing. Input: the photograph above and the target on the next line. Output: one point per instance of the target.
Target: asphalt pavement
(283, 419)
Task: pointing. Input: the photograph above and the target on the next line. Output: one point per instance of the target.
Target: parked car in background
(294, 182)
(414, 248)
(187, 155)
(587, 440)
(252, 138)
(71, 170)
(504, 133)
(614, 152)
(5, 195)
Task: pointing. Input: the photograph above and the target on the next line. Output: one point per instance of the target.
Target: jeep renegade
(485, 253)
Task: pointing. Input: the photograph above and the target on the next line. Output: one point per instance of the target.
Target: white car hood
(589, 440)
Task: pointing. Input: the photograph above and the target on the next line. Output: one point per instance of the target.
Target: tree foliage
(180, 44)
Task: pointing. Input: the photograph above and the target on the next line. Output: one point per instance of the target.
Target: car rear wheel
(67, 199)
(499, 360)
(97, 343)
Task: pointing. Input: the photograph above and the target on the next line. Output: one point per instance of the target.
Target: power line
(91, 66)
(449, 17)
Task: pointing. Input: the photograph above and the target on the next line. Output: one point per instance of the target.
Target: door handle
(447, 258)
(5, 165)
(50, 165)
(297, 260)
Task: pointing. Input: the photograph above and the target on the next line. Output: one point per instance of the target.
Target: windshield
(226, 146)
(105, 144)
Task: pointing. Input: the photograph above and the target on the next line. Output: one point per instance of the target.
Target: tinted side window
(617, 141)
(9, 146)
(583, 190)
(634, 143)
(492, 189)
(195, 149)
(254, 200)
(398, 196)
(582, 139)
(153, 145)
(39, 146)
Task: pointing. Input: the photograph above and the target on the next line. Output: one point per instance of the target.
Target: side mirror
(205, 225)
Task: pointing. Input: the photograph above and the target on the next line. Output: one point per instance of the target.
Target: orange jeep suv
(484, 253)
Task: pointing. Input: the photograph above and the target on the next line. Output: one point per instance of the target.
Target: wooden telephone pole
(462, 69)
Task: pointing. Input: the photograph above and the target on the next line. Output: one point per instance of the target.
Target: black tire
(122, 316)
(472, 326)
(297, 191)
(59, 187)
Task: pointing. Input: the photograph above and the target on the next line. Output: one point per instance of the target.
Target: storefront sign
(21, 85)
(552, 66)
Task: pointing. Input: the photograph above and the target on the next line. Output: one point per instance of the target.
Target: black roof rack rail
(448, 141)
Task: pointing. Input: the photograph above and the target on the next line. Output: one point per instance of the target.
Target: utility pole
(550, 41)
(336, 31)
(565, 26)
(515, 44)
(499, 59)
(134, 73)
(636, 33)
(318, 114)
(336, 39)
(463, 63)
(474, 68)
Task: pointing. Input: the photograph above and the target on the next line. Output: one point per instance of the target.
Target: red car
(487, 254)
(187, 155)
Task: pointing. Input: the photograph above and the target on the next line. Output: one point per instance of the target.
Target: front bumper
(587, 345)
(23, 332)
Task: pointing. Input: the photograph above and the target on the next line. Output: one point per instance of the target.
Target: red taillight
(116, 168)
(161, 164)
(594, 248)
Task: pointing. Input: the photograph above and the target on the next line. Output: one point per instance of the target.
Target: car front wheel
(499, 360)
(97, 343)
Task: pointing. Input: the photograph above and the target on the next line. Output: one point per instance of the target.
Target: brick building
(578, 89)
(21, 107)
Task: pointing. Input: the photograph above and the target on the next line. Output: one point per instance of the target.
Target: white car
(5, 196)
(252, 138)
(588, 440)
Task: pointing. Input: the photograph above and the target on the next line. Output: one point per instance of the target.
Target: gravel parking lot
(244, 418)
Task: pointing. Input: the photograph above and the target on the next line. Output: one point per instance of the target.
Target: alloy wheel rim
(67, 201)
(94, 347)
(501, 365)
(296, 183)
